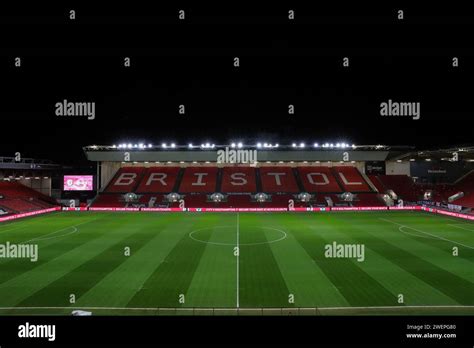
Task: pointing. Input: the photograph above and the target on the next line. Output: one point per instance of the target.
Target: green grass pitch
(279, 265)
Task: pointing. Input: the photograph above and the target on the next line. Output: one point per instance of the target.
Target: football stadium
(240, 229)
(266, 172)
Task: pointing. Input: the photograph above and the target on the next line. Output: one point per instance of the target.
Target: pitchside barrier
(241, 210)
(31, 213)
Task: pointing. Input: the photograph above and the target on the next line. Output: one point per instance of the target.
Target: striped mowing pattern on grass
(188, 261)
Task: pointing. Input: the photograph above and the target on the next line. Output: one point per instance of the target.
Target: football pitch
(327, 263)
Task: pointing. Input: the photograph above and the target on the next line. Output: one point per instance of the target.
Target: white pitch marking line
(62, 229)
(412, 234)
(284, 236)
(238, 253)
(429, 234)
(462, 228)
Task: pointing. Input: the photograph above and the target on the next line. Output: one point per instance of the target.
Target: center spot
(227, 235)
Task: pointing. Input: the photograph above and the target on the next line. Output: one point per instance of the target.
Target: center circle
(194, 235)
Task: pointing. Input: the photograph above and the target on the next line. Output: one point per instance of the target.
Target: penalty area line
(429, 234)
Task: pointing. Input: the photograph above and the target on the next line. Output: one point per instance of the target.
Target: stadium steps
(377, 183)
(368, 181)
(179, 178)
(299, 182)
(103, 188)
(139, 180)
(336, 176)
(219, 180)
(258, 180)
(463, 177)
(112, 179)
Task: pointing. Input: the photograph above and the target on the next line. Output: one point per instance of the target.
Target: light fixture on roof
(164, 146)
(150, 145)
(239, 145)
(190, 145)
(259, 145)
(316, 145)
(232, 145)
(293, 145)
(302, 145)
(173, 145)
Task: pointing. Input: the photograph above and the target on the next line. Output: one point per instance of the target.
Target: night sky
(191, 62)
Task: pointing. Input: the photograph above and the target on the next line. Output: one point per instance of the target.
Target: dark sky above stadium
(191, 62)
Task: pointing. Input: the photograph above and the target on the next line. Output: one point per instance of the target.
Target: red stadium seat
(318, 179)
(109, 200)
(377, 183)
(402, 185)
(199, 179)
(19, 198)
(351, 180)
(238, 179)
(158, 179)
(278, 179)
(125, 180)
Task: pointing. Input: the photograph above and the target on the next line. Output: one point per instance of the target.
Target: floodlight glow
(259, 145)
(232, 145)
(239, 145)
(316, 145)
(190, 145)
(164, 146)
(150, 145)
(173, 145)
(302, 145)
(293, 145)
